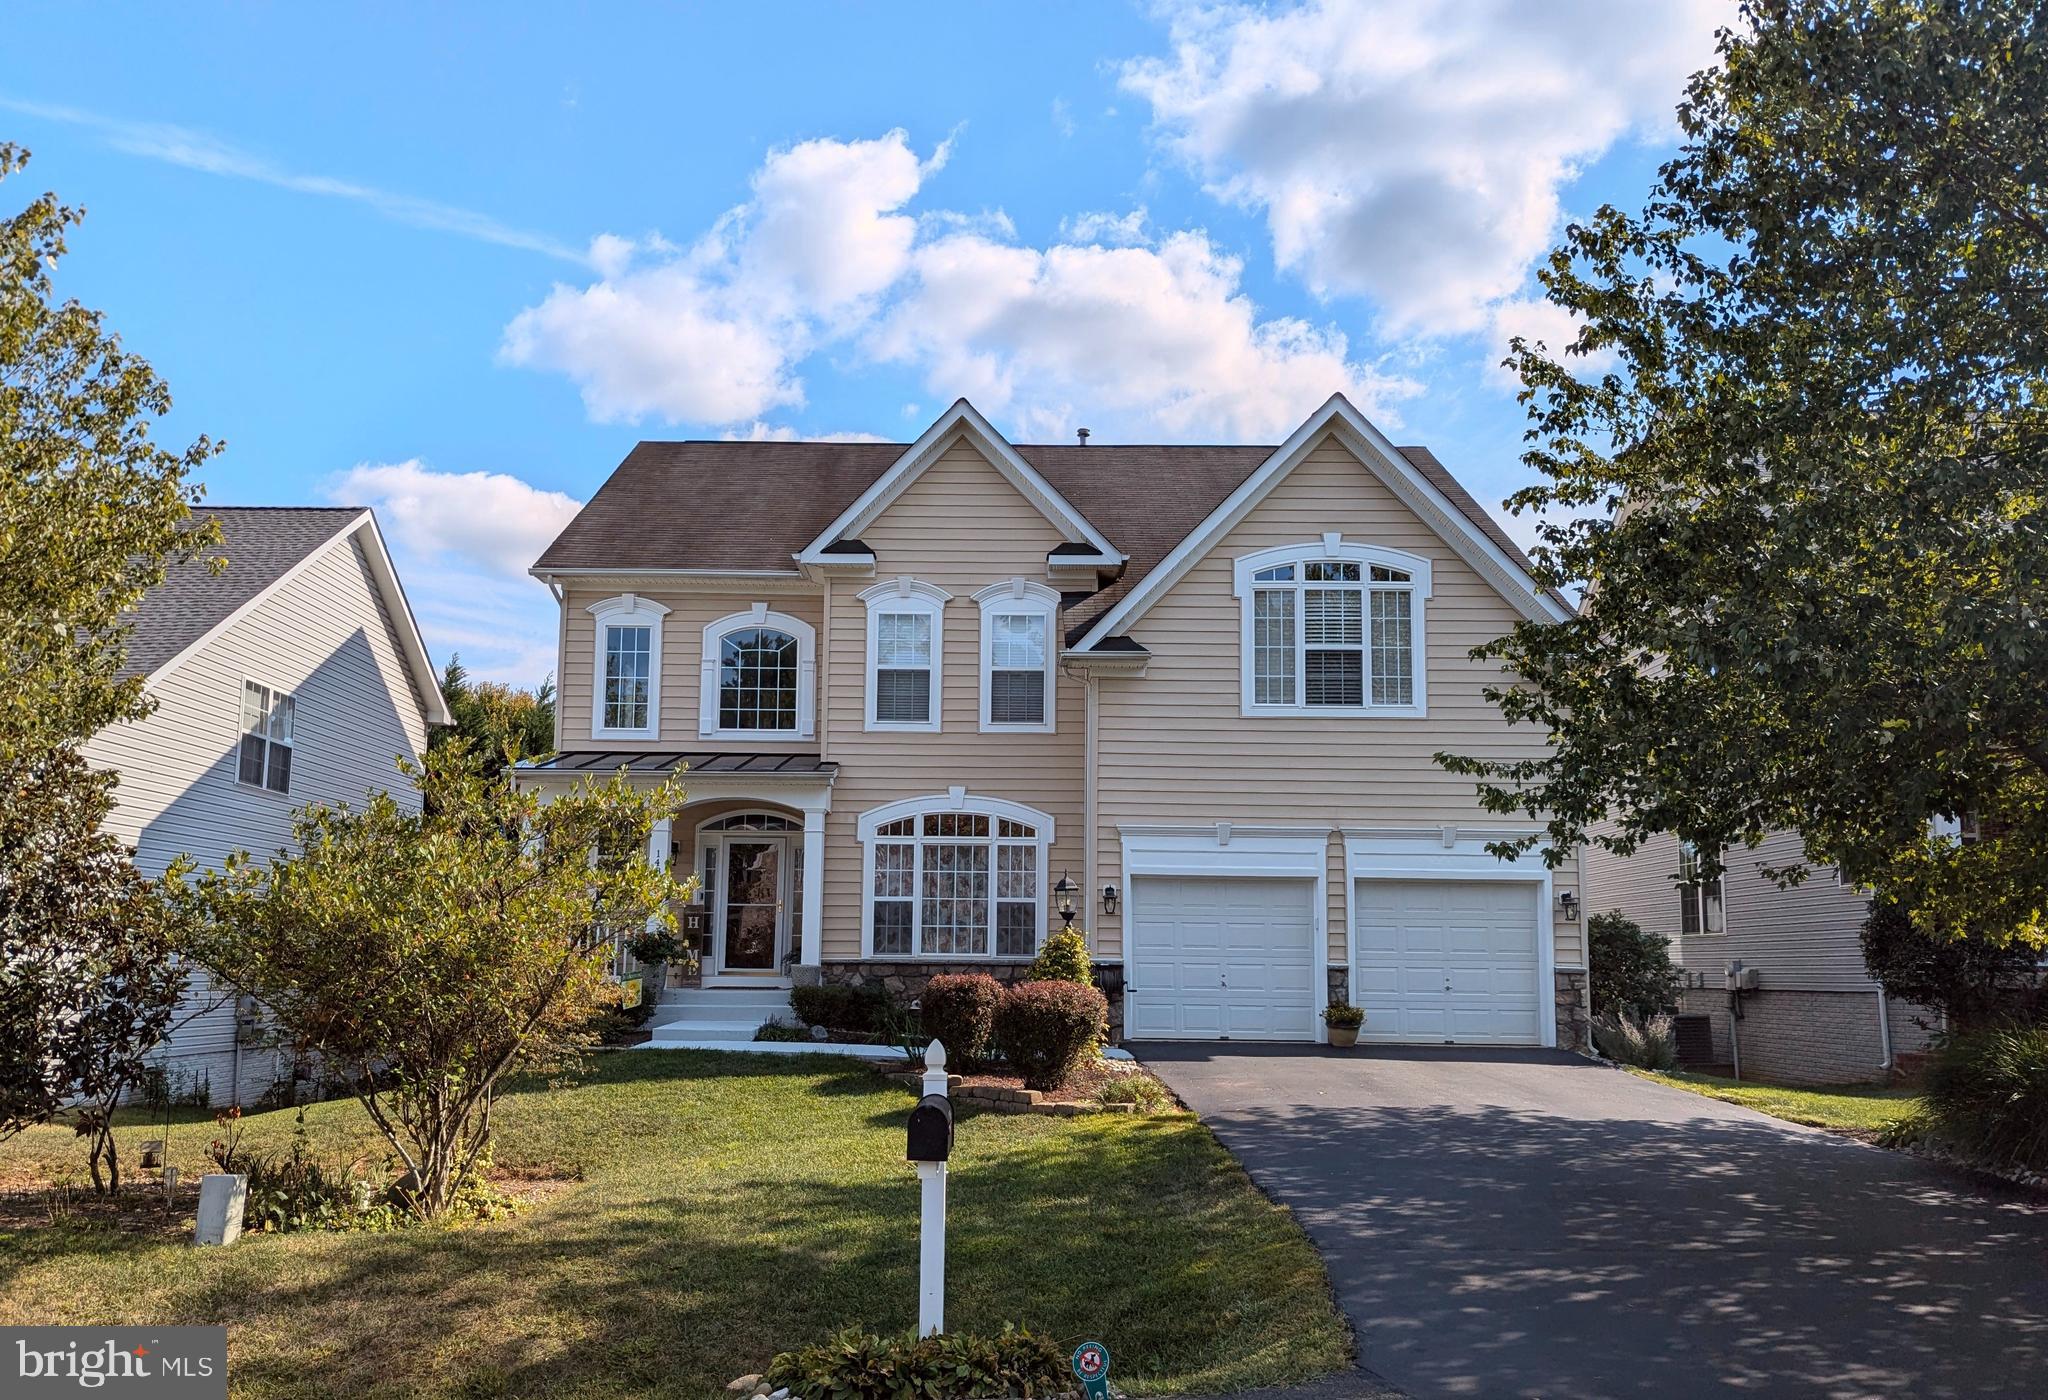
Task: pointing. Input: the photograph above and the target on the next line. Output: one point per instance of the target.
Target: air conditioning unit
(1743, 979)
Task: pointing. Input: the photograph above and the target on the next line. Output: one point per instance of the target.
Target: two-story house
(294, 675)
(914, 687)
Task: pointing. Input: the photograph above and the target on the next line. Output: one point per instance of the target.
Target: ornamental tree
(1796, 461)
(424, 956)
(89, 983)
(92, 509)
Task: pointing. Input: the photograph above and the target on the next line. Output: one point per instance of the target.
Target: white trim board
(1395, 471)
(962, 419)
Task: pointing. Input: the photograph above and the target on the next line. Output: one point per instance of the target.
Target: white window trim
(1020, 597)
(908, 595)
(1333, 547)
(1695, 891)
(626, 610)
(241, 732)
(955, 799)
(759, 615)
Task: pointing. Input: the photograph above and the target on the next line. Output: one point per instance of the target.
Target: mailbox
(931, 1129)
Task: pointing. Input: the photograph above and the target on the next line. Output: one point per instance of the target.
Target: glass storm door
(753, 906)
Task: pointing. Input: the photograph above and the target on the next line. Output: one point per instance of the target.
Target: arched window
(626, 694)
(759, 668)
(953, 876)
(1331, 628)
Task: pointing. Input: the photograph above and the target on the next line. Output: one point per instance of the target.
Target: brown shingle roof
(260, 544)
(752, 505)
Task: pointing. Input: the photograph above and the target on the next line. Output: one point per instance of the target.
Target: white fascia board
(415, 644)
(961, 418)
(1465, 538)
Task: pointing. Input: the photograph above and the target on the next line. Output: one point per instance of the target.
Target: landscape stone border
(1002, 1099)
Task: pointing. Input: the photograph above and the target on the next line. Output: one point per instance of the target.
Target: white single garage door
(1447, 961)
(1216, 958)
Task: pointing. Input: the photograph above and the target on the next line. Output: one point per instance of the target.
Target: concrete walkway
(1528, 1223)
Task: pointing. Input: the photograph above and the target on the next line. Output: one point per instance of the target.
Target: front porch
(752, 831)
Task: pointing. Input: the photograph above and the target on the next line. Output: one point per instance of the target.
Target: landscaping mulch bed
(1003, 1091)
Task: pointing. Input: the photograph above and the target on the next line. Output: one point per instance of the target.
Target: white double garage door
(1432, 961)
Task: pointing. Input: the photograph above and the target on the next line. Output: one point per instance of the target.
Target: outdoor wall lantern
(1568, 905)
(1063, 896)
(1109, 899)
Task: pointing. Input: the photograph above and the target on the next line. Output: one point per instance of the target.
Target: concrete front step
(734, 1032)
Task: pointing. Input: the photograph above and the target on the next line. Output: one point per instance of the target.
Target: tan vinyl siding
(327, 638)
(1806, 938)
(1174, 749)
(962, 527)
(682, 655)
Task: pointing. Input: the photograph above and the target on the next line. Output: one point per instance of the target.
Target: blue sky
(454, 261)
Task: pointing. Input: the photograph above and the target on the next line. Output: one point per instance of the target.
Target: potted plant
(1343, 1019)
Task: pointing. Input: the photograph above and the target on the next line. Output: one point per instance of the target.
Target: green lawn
(728, 1206)
(1844, 1110)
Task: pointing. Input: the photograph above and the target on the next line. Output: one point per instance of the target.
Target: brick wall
(1809, 1037)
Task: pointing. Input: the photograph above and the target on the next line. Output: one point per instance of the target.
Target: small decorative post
(930, 1144)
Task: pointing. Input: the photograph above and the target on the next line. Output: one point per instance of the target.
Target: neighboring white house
(296, 675)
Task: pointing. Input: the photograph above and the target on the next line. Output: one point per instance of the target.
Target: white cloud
(1539, 320)
(758, 431)
(463, 542)
(1112, 230)
(1413, 153)
(713, 333)
(1130, 341)
(1063, 117)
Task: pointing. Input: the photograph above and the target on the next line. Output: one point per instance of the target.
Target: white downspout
(1884, 1029)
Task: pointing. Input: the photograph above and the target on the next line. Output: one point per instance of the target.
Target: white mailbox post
(930, 1143)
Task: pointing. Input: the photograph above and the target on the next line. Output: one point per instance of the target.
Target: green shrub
(959, 1011)
(1045, 1029)
(1064, 958)
(1987, 1094)
(1632, 972)
(1342, 1015)
(659, 944)
(775, 1030)
(295, 1191)
(854, 1366)
(1135, 1087)
(1968, 979)
(857, 1010)
(1646, 1043)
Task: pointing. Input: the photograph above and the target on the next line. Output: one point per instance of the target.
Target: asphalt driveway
(1528, 1223)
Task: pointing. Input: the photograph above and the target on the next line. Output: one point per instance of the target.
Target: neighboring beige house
(912, 687)
(295, 675)
(1815, 1017)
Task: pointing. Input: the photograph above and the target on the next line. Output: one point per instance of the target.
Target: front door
(752, 919)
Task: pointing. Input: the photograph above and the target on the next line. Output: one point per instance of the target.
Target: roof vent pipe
(1082, 434)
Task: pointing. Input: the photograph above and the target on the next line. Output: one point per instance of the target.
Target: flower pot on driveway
(1343, 1037)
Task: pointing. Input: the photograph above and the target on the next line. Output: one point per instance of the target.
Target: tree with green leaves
(92, 509)
(1796, 460)
(424, 956)
(89, 980)
(92, 512)
(500, 724)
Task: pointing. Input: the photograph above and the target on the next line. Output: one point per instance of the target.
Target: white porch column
(811, 947)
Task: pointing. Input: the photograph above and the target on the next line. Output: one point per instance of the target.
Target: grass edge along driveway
(718, 1208)
(1859, 1110)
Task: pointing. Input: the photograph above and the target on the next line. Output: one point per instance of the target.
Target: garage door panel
(1447, 960)
(1221, 957)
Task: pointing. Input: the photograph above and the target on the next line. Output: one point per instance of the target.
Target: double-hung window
(626, 696)
(906, 646)
(1019, 655)
(265, 760)
(951, 882)
(1702, 904)
(1332, 629)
